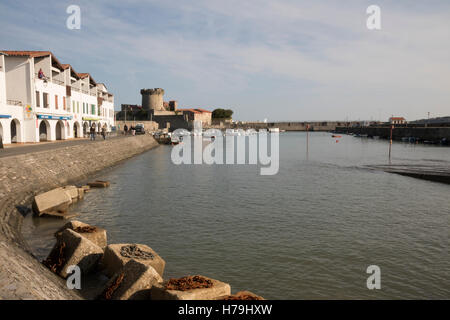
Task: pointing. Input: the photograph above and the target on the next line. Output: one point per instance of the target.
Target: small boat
(336, 136)
(274, 130)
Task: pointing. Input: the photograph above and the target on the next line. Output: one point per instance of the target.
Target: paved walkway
(13, 150)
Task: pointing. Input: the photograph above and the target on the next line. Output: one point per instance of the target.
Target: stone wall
(148, 125)
(23, 176)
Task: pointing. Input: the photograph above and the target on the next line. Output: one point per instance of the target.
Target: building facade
(44, 100)
(397, 120)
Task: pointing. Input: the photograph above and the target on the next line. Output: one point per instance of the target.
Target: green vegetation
(222, 113)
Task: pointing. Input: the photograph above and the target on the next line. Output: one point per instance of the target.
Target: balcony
(56, 81)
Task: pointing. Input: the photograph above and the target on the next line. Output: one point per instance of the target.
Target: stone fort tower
(153, 99)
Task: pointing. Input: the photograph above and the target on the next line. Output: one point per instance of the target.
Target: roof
(34, 54)
(397, 118)
(27, 53)
(84, 75)
(194, 110)
(55, 61)
(72, 71)
(203, 110)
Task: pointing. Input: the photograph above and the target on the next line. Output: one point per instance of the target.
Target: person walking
(125, 129)
(104, 132)
(92, 131)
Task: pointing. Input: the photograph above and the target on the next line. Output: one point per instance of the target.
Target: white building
(60, 104)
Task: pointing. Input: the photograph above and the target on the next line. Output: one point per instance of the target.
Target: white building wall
(19, 82)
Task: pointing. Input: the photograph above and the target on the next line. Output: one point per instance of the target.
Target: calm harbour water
(308, 232)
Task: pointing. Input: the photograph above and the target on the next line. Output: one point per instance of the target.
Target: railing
(58, 82)
(44, 78)
(14, 102)
(85, 91)
(93, 94)
(75, 89)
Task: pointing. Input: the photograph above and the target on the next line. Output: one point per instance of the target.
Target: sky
(286, 60)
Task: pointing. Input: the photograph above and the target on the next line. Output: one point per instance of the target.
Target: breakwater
(419, 133)
(289, 126)
(23, 176)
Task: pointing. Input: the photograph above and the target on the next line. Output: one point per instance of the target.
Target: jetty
(431, 172)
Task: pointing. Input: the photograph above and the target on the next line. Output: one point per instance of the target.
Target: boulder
(56, 200)
(73, 249)
(95, 234)
(117, 255)
(241, 295)
(98, 184)
(133, 282)
(167, 291)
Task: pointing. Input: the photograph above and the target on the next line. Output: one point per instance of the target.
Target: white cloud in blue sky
(281, 60)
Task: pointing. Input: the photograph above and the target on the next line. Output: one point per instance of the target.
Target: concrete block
(241, 295)
(56, 200)
(162, 291)
(117, 255)
(72, 191)
(98, 184)
(73, 249)
(93, 233)
(133, 282)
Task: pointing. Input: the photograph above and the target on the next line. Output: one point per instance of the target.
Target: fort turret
(153, 99)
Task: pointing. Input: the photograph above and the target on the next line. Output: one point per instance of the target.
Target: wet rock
(163, 291)
(56, 200)
(73, 249)
(133, 282)
(80, 193)
(241, 295)
(98, 184)
(95, 234)
(59, 215)
(117, 255)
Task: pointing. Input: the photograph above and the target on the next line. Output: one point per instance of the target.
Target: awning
(50, 117)
(90, 119)
(5, 116)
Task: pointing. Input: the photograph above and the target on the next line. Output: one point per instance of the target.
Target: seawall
(23, 176)
(430, 133)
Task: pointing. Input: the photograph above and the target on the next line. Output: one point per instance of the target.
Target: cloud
(314, 60)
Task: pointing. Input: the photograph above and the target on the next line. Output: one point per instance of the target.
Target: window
(56, 102)
(93, 109)
(64, 103)
(45, 99)
(73, 106)
(38, 101)
(78, 107)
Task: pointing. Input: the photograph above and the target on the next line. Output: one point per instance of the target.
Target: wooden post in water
(307, 141)
(390, 143)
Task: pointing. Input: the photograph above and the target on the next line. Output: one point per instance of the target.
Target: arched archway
(1, 134)
(59, 130)
(15, 131)
(44, 131)
(85, 128)
(76, 130)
